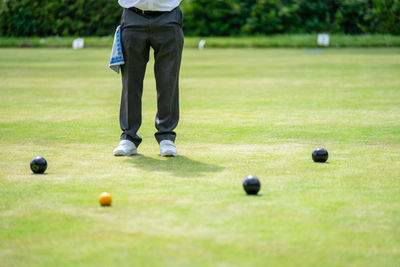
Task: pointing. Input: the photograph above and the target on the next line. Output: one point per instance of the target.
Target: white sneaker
(125, 148)
(168, 149)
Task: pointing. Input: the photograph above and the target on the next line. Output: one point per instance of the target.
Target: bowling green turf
(243, 111)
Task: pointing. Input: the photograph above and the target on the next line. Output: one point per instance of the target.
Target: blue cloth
(117, 58)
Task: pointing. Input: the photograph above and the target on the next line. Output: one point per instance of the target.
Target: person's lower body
(161, 31)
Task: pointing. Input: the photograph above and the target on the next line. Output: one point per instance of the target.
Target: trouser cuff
(165, 136)
(136, 140)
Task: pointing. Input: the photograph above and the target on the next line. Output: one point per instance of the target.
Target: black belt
(146, 12)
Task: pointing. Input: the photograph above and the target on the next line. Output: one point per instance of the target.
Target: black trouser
(163, 32)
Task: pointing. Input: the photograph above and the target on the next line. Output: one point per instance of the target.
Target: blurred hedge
(249, 17)
(206, 17)
(58, 18)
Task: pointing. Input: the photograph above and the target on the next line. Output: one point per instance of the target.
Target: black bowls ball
(38, 165)
(320, 155)
(251, 185)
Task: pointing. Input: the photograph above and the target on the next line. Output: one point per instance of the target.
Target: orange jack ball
(105, 199)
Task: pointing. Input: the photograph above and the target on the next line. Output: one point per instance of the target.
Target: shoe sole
(121, 154)
(169, 154)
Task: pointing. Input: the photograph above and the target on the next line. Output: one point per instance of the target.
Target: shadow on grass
(179, 166)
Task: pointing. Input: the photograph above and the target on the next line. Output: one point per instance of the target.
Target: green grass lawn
(278, 40)
(243, 111)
